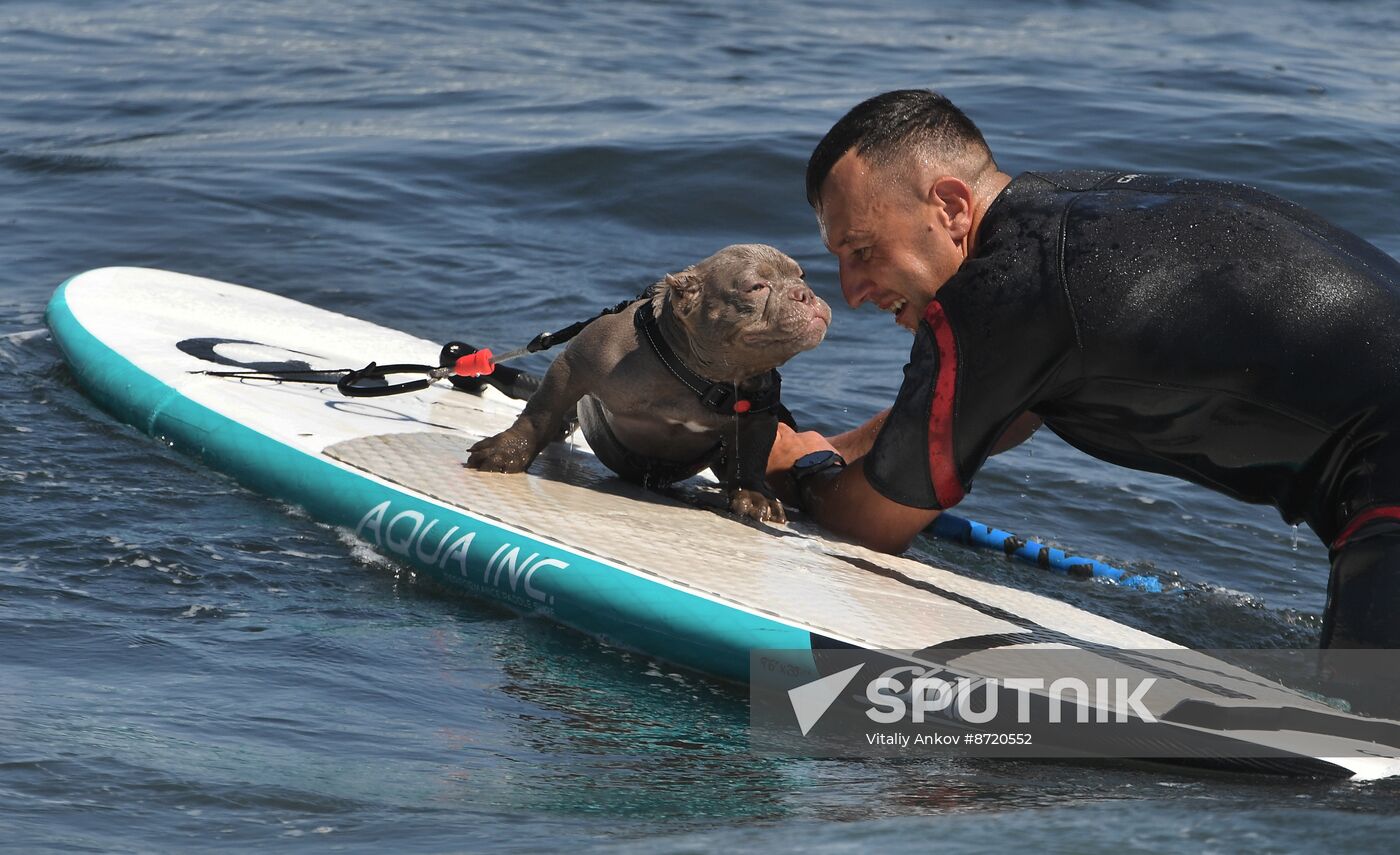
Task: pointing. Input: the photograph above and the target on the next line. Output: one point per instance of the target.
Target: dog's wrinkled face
(746, 309)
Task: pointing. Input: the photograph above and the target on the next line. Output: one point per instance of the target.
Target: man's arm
(843, 501)
(846, 504)
(790, 445)
(855, 443)
(1016, 433)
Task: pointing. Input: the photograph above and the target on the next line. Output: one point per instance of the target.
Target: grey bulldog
(681, 380)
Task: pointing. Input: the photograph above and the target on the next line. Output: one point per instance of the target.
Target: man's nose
(854, 287)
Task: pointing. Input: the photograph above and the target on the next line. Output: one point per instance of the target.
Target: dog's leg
(745, 460)
(541, 422)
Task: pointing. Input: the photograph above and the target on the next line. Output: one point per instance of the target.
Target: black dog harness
(717, 396)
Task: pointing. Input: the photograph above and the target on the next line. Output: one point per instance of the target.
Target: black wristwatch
(810, 464)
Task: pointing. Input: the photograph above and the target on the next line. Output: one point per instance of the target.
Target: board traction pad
(772, 570)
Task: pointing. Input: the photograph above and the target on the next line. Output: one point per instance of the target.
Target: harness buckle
(717, 396)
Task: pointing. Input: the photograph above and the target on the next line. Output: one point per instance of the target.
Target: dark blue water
(185, 665)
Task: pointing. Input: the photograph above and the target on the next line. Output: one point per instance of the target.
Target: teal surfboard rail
(457, 549)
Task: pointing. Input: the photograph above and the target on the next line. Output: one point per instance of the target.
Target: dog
(682, 380)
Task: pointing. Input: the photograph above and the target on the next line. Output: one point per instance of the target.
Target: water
(189, 666)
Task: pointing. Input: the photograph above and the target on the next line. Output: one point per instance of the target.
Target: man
(1199, 329)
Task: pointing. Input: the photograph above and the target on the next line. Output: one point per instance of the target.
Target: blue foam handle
(965, 531)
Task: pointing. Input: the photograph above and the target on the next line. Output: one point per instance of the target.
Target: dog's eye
(758, 286)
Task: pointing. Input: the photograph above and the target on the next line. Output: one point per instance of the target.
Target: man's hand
(787, 447)
(845, 502)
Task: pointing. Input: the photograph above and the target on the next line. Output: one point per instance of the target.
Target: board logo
(427, 541)
(254, 356)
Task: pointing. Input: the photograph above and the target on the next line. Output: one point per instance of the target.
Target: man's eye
(863, 254)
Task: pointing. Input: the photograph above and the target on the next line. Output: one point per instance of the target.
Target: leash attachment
(351, 385)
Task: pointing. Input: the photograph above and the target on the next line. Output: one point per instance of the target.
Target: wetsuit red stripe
(942, 466)
(1391, 512)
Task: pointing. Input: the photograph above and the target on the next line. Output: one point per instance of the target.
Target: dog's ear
(684, 290)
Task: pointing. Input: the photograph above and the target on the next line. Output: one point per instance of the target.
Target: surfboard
(661, 573)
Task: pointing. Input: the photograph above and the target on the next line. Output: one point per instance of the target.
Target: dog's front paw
(756, 506)
(508, 451)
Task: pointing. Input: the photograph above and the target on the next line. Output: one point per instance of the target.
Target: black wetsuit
(1204, 330)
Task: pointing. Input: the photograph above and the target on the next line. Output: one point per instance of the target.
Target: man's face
(892, 241)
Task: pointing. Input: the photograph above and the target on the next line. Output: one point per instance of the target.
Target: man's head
(899, 184)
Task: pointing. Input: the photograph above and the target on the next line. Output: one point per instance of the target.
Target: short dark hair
(888, 125)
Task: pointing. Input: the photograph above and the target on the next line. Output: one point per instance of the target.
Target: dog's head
(746, 309)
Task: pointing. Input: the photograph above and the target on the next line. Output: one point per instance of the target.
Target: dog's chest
(682, 428)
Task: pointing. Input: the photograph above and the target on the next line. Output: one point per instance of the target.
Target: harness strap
(546, 340)
(718, 396)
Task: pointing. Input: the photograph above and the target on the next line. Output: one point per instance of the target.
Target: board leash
(969, 533)
(467, 367)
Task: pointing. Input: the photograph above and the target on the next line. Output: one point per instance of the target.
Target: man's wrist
(812, 469)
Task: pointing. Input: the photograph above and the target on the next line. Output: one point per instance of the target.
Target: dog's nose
(801, 294)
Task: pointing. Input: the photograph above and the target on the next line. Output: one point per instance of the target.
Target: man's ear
(684, 290)
(953, 197)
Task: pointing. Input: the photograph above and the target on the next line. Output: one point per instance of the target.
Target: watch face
(815, 459)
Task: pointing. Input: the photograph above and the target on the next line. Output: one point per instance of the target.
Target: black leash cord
(351, 379)
(350, 388)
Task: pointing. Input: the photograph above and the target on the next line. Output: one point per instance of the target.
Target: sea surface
(187, 666)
